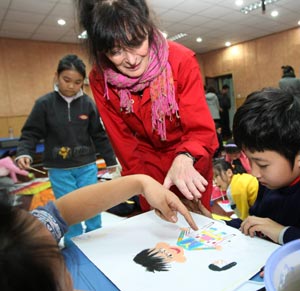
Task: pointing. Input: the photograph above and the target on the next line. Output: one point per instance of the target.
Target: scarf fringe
(160, 79)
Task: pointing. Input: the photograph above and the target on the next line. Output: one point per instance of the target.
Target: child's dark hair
(288, 71)
(269, 120)
(26, 263)
(112, 23)
(71, 62)
(220, 166)
(151, 261)
(231, 147)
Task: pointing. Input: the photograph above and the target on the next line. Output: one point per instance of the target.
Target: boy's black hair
(269, 120)
(225, 86)
(110, 23)
(26, 262)
(71, 62)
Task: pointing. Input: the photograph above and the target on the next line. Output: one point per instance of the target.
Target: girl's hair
(111, 23)
(26, 260)
(220, 166)
(71, 62)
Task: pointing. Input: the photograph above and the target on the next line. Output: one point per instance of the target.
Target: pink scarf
(160, 79)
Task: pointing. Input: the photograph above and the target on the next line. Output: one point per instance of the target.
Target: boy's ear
(298, 160)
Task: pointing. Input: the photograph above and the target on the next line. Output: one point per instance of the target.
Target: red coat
(139, 149)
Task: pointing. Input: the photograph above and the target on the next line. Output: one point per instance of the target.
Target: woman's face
(131, 62)
(69, 82)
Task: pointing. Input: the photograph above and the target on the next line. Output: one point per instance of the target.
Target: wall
(28, 67)
(254, 64)
(27, 72)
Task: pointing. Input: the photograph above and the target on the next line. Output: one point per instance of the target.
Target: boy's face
(272, 169)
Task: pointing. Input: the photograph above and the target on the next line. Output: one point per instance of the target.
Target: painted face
(69, 82)
(131, 62)
(272, 169)
(170, 253)
(222, 180)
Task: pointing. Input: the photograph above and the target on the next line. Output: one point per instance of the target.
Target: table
(8, 146)
(86, 276)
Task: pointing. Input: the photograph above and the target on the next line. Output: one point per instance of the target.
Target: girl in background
(68, 122)
(241, 189)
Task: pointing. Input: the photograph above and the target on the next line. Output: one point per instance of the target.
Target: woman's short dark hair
(114, 22)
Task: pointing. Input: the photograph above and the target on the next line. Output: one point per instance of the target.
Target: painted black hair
(269, 120)
(149, 259)
(71, 62)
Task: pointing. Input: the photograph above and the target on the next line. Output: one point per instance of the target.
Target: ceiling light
(178, 36)
(228, 43)
(255, 5)
(61, 21)
(198, 39)
(299, 22)
(83, 35)
(274, 13)
(239, 2)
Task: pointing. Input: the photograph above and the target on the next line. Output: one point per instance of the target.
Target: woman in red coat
(150, 96)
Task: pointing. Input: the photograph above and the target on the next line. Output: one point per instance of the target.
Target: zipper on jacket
(69, 112)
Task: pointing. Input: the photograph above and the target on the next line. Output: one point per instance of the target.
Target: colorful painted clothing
(242, 193)
(282, 206)
(138, 147)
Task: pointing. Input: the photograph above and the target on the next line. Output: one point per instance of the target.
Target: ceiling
(215, 21)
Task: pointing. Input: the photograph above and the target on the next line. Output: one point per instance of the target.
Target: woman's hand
(254, 225)
(185, 177)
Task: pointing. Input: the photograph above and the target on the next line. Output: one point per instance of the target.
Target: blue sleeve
(290, 234)
(236, 223)
(51, 218)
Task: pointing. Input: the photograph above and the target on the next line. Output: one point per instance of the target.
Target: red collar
(295, 181)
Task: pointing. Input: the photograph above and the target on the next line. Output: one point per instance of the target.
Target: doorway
(217, 82)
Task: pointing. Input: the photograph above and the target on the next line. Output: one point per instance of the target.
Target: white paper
(113, 248)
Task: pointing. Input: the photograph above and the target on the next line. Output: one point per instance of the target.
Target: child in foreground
(29, 255)
(267, 128)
